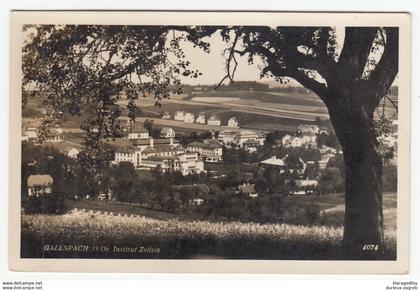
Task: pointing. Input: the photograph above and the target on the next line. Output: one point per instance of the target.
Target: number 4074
(370, 247)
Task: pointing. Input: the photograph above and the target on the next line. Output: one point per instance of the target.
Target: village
(299, 158)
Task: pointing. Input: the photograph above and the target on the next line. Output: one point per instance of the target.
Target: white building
(246, 189)
(201, 119)
(323, 130)
(308, 129)
(125, 155)
(179, 116)
(233, 123)
(214, 121)
(210, 150)
(293, 141)
(166, 156)
(73, 152)
(166, 115)
(190, 163)
(237, 138)
(324, 160)
(53, 138)
(167, 132)
(296, 142)
(189, 118)
(141, 144)
(227, 137)
(30, 135)
(186, 163)
(274, 161)
(138, 133)
(305, 182)
(39, 185)
(286, 140)
(162, 150)
(282, 164)
(251, 145)
(244, 135)
(388, 140)
(309, 139)
(327, 150)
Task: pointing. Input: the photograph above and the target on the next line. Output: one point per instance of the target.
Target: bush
(47, 204)
(312, 214)
(330, 181)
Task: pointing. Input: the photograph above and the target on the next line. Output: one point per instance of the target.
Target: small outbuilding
(39, 184)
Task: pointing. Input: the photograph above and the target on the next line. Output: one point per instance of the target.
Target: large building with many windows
(164, 154)
(237, 137)
(210, 150)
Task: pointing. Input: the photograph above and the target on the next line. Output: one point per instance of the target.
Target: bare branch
(230, 58)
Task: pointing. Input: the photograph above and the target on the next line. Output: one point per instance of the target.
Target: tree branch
(358, 42)
(228, 62)
(386, 70)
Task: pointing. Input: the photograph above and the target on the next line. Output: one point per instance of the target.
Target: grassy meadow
(180, 239)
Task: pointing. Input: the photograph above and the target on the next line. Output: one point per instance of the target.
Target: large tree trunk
(363, 225)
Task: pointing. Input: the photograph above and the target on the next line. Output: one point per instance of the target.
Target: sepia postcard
(210, 142)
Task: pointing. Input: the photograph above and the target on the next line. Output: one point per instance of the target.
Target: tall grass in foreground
(180, 239)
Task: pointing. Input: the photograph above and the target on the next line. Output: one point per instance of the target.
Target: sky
(212, 65)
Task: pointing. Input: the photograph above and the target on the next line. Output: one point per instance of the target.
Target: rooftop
(161, 148)
(211, 145)
(247, 188)
(162, 158)
(273, 161)
(139, 129)
(156, 141)
(165, 130)
(251, 142)
(40, 180)
(128, 149)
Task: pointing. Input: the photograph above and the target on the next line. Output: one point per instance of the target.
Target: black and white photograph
(211, 141)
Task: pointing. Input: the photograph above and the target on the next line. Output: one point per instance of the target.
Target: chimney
(171, 141)
(151, 142)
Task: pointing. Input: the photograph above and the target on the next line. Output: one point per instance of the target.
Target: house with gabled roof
(214, 121)
(166, 115)
(39, 184)
(201, 119)
(167, 132)
(233, 123)
(138, 133)
(179, 115)
(210, 150)
(189, 117)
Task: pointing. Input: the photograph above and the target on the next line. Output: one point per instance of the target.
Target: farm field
(265, 110)
(332, 207)
(179, 239)
(259, 107)
(295, 98)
